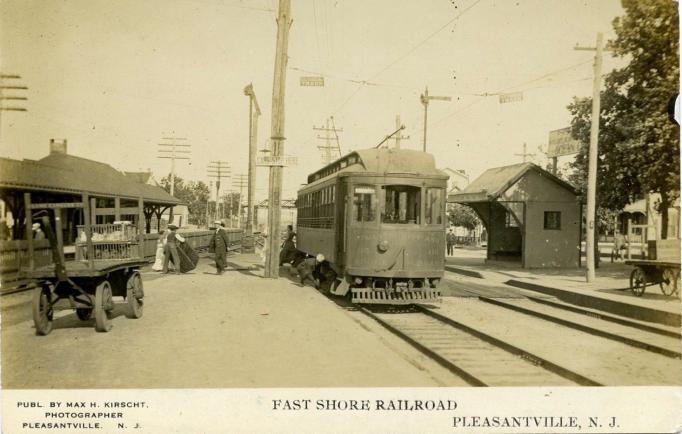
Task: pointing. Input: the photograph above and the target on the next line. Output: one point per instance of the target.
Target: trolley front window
(364, 203)
(402, 204)
(434, 206)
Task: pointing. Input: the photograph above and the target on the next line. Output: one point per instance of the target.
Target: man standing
(450, 239)
(218, 245)
(38, 233)
(171, 249)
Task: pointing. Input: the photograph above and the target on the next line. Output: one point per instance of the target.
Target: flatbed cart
(652, 271)
(107, 263)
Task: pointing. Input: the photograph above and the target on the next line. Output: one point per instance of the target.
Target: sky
(113, 78)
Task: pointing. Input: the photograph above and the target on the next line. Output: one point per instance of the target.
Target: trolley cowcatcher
(108, 257)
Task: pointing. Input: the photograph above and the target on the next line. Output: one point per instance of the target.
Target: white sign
(562, 143)
(312, 81)
(276, 161)
(511, 97)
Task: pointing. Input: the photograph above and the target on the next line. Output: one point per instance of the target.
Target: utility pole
(425, 98)
(3, 98)
(240, 181)
(398, 136)
(525, 154)
(590, 241)
(253, 134)
(218, 170)
(277, 137)
(327, 149)
(173, 151)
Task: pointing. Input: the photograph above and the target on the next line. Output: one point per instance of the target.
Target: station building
(60, 177)
(531, 216)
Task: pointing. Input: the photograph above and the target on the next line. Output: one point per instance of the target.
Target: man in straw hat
(171, 248)
(38, 233)
(218, 245)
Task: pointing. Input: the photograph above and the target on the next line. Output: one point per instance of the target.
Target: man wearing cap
(171, 248)
(38, 233)
(218, 245)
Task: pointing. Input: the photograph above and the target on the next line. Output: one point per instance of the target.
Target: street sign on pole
(312, 81)
(562, 143)
(511, 97)
(276, 161)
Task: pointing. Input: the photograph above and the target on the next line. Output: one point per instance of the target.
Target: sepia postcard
(447, 216)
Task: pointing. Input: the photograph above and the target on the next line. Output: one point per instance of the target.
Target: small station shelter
(531, 216)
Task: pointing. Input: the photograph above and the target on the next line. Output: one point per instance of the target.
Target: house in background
(458, 180)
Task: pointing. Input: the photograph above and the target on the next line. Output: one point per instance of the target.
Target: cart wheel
(669, 281)
(84, 313)
(135, 295)
(103, 307)
(638, 281)
(42, 311)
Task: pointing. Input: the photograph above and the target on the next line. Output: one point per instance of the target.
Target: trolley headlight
(383, 246)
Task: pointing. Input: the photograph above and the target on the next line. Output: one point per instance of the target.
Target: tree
(194, 193)
(638, 145)
(462, 215)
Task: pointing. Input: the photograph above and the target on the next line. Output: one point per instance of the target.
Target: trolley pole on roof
(590, 241)
(425, 98)
(173, 151)
(277, 137)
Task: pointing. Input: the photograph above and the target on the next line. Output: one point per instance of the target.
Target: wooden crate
(664, 250)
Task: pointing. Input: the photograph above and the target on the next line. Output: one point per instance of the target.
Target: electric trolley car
(378, 216)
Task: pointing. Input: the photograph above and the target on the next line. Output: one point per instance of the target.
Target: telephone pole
(425, 98)
(240, 181)
(590, 241)
(330, 151)
(173, 151)
(398, 136)
(15, 107)
(525, 154)
(254, 114)
(277, 137)
(218, 170)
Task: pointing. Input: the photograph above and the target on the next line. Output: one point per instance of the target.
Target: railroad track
(627, 332)
(478, 358)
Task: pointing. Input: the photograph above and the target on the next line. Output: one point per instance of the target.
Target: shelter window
(434, 206)
(364, 203)
(553, 220)
(402, 204)
(510, 220)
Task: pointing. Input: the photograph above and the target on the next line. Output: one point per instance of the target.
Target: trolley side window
(434, 206)
(402, 204)
(364, 203)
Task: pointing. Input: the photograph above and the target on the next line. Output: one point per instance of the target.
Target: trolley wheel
(670, 281)
(84, 313)
(135, 295)
(42, 311)
(104, 305)
(638, 281)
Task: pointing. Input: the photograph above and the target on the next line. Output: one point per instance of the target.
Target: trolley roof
(382, 161)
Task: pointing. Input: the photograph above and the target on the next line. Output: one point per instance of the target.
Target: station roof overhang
(70, 175)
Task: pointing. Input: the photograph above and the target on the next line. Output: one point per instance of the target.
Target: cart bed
(81, 269)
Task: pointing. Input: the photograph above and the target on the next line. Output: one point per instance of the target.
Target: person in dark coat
(38, 233)
(324, 274)
(218, 244)
(451, 239)
(286, 255)
(171, 249)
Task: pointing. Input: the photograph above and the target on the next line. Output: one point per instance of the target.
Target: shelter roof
(494, 182)
(62, 173)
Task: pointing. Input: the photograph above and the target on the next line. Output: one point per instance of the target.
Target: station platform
(610, 292)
